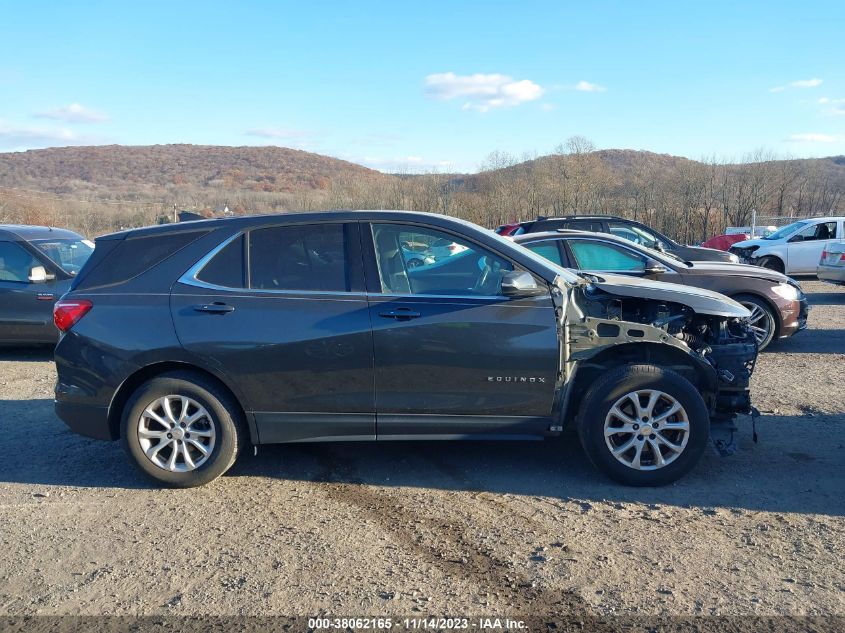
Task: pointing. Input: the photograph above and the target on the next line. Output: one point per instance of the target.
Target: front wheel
(772, 263)
(643, 425)
(762, 319)
(182, 430)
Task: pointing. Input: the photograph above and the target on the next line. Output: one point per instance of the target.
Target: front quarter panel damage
(601, 330)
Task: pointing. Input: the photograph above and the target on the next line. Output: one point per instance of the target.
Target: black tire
(224, 416)
(604, 394)
(767, 320)
(772, 263)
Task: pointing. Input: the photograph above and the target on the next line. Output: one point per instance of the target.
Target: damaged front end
(613, 320)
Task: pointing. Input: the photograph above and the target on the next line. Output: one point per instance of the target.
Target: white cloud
(482, 92)
(811, 137)
(74, 113)
(806, 83)
(586, 86)
(278, 133)
(19, 137)
(801, 83)
(547, 107)
(404, 164)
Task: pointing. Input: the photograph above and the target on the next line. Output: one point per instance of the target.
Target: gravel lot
(412, 528)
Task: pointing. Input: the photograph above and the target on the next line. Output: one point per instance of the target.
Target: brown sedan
(778, 306)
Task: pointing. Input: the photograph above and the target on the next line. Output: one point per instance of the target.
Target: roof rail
(579, 216)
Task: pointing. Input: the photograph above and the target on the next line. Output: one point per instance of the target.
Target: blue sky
(421, 85)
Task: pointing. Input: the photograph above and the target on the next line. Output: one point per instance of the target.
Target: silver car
(832, 263)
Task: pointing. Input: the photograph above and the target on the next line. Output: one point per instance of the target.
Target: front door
(804, 249)
(288, 325)
(26, 308)
(453, 356)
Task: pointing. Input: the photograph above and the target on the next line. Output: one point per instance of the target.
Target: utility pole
(175, 214)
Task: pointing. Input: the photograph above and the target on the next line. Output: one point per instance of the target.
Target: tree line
(687, 199)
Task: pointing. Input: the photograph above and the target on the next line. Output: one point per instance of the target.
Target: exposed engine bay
(715, 352)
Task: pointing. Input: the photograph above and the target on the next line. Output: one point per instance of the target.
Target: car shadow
(30, 353)
(819, 342)
(836, 298)
(775, 475)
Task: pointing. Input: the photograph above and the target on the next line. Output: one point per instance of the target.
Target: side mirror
(38, 275)
(653, 267)
(658, 246)
(518, 283)
(796, 238)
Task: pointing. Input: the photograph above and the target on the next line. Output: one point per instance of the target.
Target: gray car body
(319, 366)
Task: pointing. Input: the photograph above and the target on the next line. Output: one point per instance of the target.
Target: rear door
(26, 308)
(453, 356)
(281, 312)
(804, 249)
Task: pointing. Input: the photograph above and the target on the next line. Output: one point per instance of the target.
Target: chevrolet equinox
(188, 342)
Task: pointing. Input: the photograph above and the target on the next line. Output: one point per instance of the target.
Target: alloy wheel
(646, 429)
(176, 433)
(760, 322)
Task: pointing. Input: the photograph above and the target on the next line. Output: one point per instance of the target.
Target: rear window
(226, 268)
(128, 258)
(305, 257)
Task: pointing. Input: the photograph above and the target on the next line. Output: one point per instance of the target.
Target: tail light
(67, 313)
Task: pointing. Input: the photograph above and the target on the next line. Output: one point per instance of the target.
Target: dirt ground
(437, 528)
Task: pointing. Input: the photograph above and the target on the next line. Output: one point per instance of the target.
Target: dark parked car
(630, 230)
(190, 341)
(777, 304)
(37, 264)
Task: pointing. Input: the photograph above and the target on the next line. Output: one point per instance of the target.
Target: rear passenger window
(309, 257)
(546, 249)
(226, 268)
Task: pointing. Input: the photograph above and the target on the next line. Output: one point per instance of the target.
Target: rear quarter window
(226, 268)
(117, 261)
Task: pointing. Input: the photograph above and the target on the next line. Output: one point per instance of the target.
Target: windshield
(787, 230)
(70, 254)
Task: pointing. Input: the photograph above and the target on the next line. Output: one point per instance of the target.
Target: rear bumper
(85, 419)
(832, 274)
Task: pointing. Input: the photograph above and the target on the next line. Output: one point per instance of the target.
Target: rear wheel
(643, 425)
(182, 430)
(762, 319)
(772, 263)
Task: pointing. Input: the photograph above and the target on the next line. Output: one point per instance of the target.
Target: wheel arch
(148, 372)
(774, 309)
(775, 255)
(587, 371)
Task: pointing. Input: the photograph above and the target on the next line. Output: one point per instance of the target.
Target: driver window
(15, 262)
(821, 231)
(420, 260)
(604, 256)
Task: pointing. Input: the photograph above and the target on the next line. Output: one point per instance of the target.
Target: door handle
(400, 313)
(215, 308)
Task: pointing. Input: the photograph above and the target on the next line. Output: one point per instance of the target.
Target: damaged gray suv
(189, 342)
